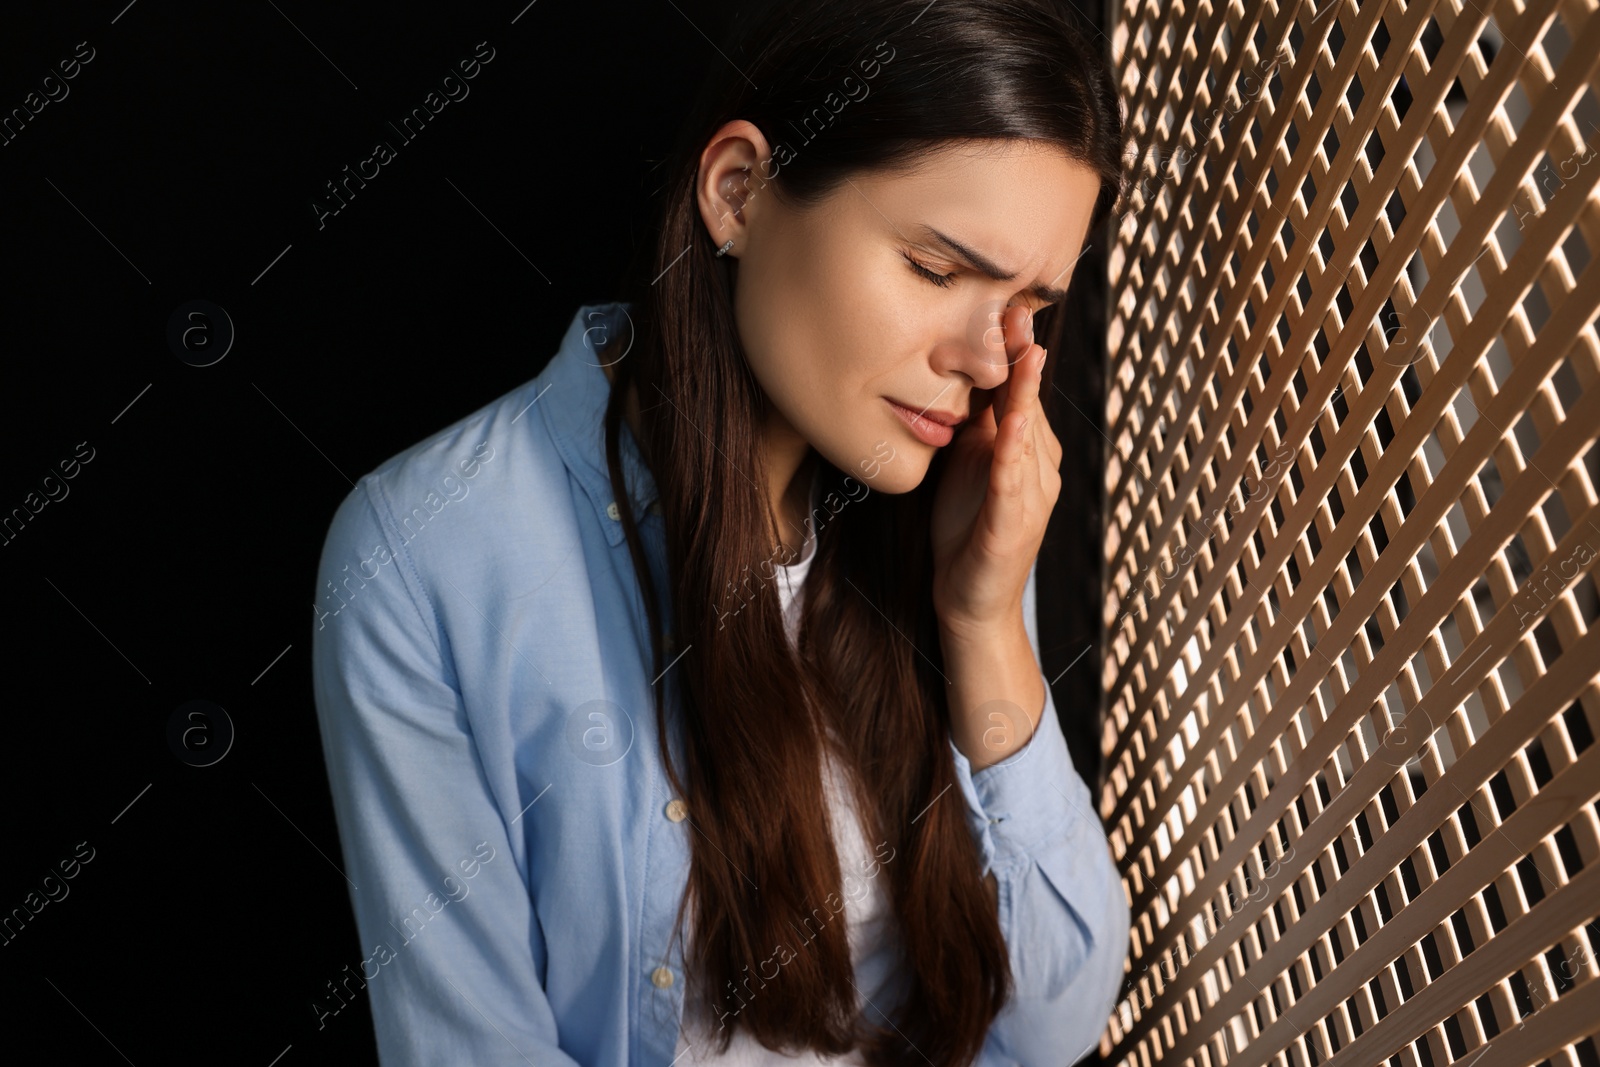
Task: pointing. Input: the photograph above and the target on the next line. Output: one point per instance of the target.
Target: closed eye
(943, 281)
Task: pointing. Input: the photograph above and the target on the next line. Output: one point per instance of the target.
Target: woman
(611, 789)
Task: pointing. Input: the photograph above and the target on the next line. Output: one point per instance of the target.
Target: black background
(181, 565)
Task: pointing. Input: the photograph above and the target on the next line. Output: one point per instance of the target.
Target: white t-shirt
(867, 912)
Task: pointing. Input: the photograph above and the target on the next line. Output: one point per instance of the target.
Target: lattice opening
(1353, 674)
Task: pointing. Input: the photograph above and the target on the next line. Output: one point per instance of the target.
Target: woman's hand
(998, 487)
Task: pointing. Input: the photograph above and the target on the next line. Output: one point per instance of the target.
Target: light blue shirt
(514, 851)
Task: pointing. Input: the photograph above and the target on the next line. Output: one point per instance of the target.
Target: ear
(729, 180)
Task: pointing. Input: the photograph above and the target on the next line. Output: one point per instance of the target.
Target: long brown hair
(752, 712)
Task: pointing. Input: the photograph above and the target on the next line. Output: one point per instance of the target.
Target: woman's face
(840, 324)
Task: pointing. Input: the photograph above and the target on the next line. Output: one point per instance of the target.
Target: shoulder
(484, 503)
(467, 508)
(489, 457)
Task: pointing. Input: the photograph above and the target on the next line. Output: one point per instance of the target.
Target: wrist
(979, 632)
(996, 689)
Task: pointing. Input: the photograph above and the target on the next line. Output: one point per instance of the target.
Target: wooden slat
(1352, 677)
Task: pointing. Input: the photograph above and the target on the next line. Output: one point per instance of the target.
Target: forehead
(1024, 203)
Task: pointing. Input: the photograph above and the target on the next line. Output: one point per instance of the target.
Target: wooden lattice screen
(1351, 679)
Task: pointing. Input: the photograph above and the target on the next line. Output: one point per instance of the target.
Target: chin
(883, 462)
(900, 475)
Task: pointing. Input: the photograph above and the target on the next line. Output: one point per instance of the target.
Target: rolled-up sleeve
(1061, 902)
(447, 928)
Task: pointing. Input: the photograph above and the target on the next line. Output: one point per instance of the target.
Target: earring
(725, 249)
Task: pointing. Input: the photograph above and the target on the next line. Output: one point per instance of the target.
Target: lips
(943, 418)
(930, 427)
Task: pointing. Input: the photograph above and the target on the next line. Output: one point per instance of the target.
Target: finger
(1019, 332)
(984, 424)
(1022, 387)
(1052, 450)
(1014, 465)
(1046, 445)
(1049, 451)
(1044, 448)
(1017, 323)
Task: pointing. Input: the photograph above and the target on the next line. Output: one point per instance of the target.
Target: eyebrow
(986, 266)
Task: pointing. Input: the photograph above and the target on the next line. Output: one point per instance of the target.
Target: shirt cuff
(1028, 798)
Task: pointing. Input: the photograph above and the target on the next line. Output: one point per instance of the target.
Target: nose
(979, 349)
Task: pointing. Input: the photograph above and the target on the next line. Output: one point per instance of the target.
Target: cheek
(820, 340)
(829, 329)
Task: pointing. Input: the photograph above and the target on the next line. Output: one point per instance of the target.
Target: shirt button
(676, 810)
(611, 510)
(661, 977)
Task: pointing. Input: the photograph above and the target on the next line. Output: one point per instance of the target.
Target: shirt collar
(572, 393)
